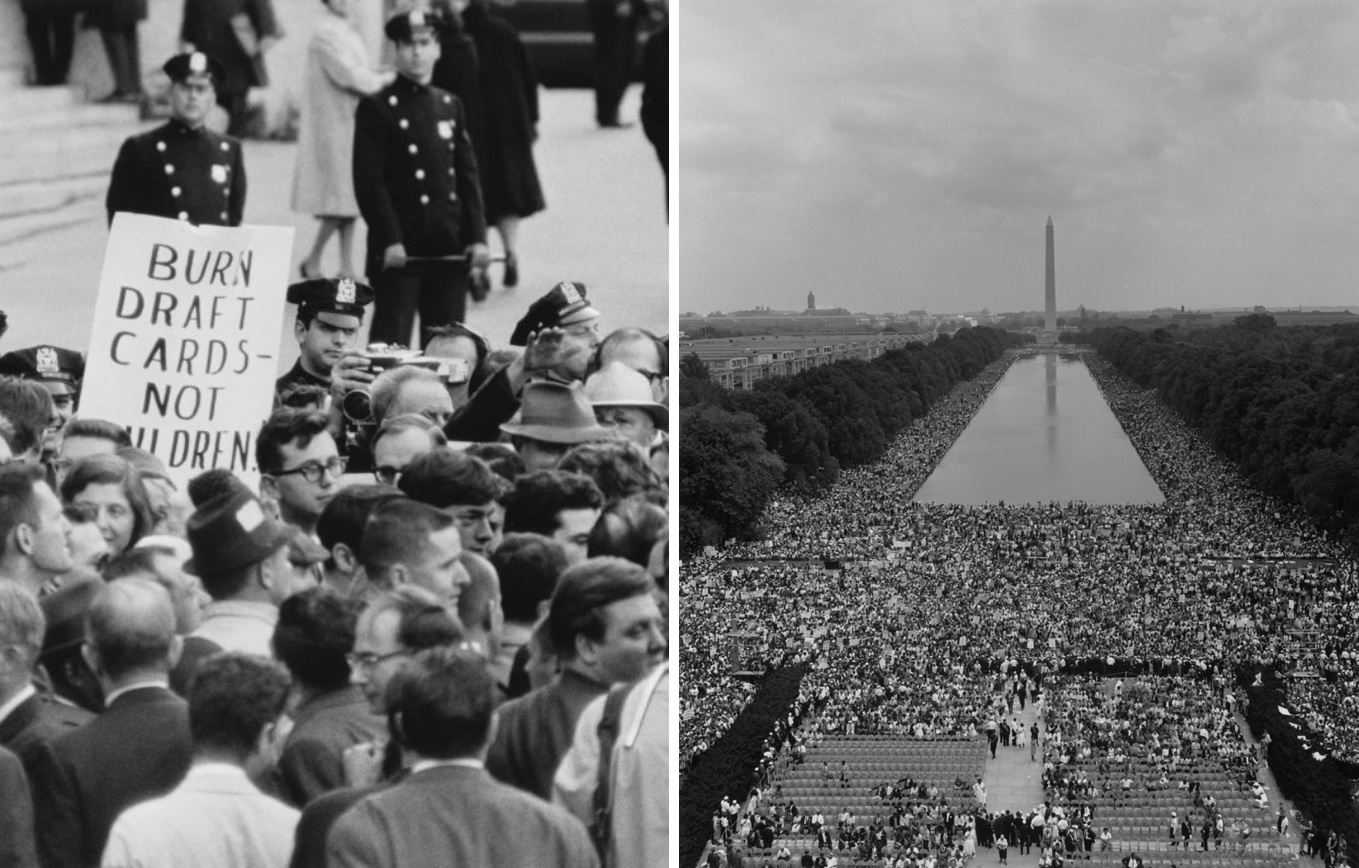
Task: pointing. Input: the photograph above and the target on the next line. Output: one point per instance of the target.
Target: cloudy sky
(893, 155)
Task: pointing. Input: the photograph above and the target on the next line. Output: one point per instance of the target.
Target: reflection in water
(1050, 370)
(1026, 446)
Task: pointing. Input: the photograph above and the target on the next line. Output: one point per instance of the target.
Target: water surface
(1044, 434)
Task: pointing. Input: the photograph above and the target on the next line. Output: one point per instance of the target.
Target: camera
(357, 404)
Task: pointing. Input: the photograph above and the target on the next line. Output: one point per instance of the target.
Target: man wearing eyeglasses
(300, 465)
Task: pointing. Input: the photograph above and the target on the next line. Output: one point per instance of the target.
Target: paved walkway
(1013, 783)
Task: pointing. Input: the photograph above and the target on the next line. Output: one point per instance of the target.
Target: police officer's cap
(565, 305)
(327, 295)
(46, 363)
(403, 26)
(181, 66)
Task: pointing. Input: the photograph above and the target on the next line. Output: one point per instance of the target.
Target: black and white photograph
(335, 433)
(1018, 437)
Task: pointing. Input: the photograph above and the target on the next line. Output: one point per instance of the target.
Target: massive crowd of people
(908, 611)
(197, 668)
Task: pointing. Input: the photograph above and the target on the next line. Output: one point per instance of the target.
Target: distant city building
(738, 363)
(811, 301)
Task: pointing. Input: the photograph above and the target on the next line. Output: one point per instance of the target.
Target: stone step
(19, 227)
(52, 194)
(72, 153)
(21, 100)
(16, 126)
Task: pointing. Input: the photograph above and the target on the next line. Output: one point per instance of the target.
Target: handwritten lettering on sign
(185, 338)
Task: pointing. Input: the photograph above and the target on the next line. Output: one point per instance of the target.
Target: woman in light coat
(338, 73)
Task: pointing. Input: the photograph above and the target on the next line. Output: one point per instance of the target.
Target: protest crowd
(416, 613)
(921, 620)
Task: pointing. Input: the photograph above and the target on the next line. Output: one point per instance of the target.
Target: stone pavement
(1013, 783)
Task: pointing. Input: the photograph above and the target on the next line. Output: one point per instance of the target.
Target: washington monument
(1050, 306)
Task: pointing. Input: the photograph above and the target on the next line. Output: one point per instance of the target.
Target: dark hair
(344, 517)
(110, 469)
(232, 698)
(423, 621)
(629, 529)
(133, 562)
(131, 624)
(582, 593)
(99, 429)
(315, 631)
(407, 422)
(500, 457)
(285, 425)
(303, 396)
(618, 468)
(29, 408)
(528, 565)
(18, 504)
(539, 496)
(397, 531)
(444, 478)
(443, 699)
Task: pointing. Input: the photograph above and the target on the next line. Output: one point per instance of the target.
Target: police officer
(182, 169)
(416, 180)
(329, 316)
(56, 369)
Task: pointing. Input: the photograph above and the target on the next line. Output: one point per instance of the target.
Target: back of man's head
(539, 496)
(21, 623)
(131, 627)
(528, 565)
(444, 478)
(345, 516)
(398, 532)
(423, 621)
(18, 502)
(618, 468)
(315, 631)
(232, 698)
(441, 703)
(29, 408)
(629, 528)
(583, 591)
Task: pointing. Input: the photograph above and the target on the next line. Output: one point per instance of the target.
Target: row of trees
(1282, 403)
(737, 447)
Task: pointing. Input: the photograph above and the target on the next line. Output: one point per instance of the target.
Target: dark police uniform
(416, 181)
(176, 172)
(315, 296)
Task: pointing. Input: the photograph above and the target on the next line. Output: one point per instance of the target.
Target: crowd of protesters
(466, 634)
(910, 613)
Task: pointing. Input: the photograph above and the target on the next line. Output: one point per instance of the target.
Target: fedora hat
(556, 413)
(617, 385)
(232, 531)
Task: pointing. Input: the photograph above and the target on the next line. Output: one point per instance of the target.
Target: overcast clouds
(893, 155)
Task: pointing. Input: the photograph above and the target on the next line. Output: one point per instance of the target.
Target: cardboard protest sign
(186, 333)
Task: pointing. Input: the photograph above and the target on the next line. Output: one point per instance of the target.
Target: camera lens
(357, 406)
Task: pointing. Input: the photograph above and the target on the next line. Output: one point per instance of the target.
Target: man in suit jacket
(442, 706)
(28, 719)
(137, 749)
(418, 189)
(217, 817)
(182, 170)
(16, 815)
(605, 627)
